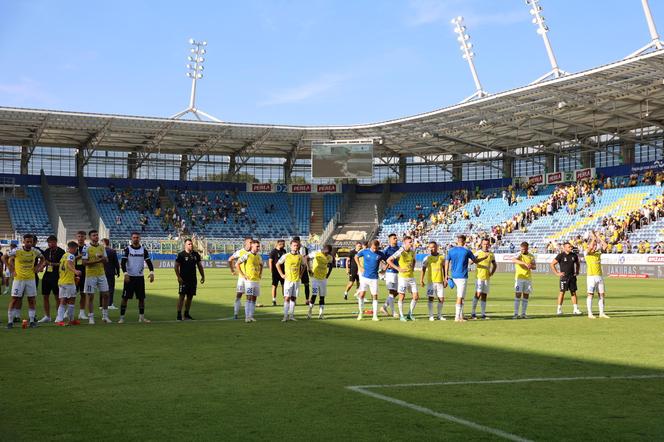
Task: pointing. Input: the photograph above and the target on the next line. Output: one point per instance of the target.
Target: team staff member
(186, 264)
(352, 269)
(569, 269)
(80, 240)
(112, 271)
(275, 255)
(22, 266)
(52, 255)
(134, 259)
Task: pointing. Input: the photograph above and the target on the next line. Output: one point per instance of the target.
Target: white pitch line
(443, 416)
(364, 389)
(514, 381)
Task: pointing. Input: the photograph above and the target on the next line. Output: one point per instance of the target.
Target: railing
(91, 208)
(62, 232)
(329, 229)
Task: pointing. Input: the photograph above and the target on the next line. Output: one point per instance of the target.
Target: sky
(314, 62)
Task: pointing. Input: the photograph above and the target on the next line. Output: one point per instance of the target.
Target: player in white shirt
(240, 287)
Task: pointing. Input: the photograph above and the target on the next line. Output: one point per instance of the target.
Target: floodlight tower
(542, 29)
(466, 49)
(195, 72)
(655, 42)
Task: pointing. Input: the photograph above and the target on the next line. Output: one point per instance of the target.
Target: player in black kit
(570, 266)
(186, 264)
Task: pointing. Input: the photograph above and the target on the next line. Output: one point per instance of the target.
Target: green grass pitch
(557, 378)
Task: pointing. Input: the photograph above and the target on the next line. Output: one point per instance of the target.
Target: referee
(569, 263)
(186, 264)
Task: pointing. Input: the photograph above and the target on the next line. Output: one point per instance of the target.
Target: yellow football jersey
(321, 264)
(66, 275)
(520, 272)
(292, 263)
(24, 263)
(251, 264)
(93, 253)
(406, 260)
(484, 267)
(434, 267)
(594, 263)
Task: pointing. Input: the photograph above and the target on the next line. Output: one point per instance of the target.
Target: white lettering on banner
(536, 179)
(607, 258)
(300, 188)
(554, 178)
(293, 188)
(328, 188)
(658, 164)
(260, 187)
(584, 174)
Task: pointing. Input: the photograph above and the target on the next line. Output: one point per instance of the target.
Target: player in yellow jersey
(239, 290)
(594, 279)
(23, 264)
(524, 264)
(433, 277)
(406, 280)
(94, 258)
(319, 270)
(250, 268)
(485, 271)
(67, 285)
(290, 267)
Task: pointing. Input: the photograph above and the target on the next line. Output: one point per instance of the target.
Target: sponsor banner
(627, 275)
(655, 165)
(554, 178)
(536, 179)
(261, 187)
(584, 174)
(208, 264)
(293, 188)
(607, 258)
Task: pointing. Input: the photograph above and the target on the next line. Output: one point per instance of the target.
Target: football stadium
(490, 269)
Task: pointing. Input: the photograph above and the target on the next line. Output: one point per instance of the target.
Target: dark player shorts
(277, 279)
(568, 283)
(81, 282)
(188, 288)
(135, 287)
(353, 277)
(305, 278)
(49, 285)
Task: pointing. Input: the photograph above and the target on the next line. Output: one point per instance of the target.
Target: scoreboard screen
(341, 160)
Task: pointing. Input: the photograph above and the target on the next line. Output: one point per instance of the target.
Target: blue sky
(294, 62)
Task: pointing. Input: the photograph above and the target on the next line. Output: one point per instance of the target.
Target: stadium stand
(301, 213)
(331, 204)
(29, 215)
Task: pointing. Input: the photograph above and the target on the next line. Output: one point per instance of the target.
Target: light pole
(543, 29)
(195, 72)
(468, 55)
(654, 43)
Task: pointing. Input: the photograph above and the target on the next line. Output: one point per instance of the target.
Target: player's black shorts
(188, 288)
(568, 283)
(305, 278)
(353, 277)
(277, 279)
(135, 287)
(49, 285)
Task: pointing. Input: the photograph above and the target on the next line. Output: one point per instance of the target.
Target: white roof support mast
(468, 54)
(195, 72)
(655, 43)
(542, 29)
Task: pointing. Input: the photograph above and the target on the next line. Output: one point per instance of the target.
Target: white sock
(292, 307)
(346, 293)
(560, 308)
(413, 304)
(70, 311)
(517, 301)
(524, 306)
(104, 313)
(61, 313)
(375, 308)
(600, 302)
(576, 307)
(31, 314)
(247, 309)
(321, 309)
(474, 309)
(430, 305)
(589, 304)
(483, 307)
(286, 308)
(457, 311)
(91, 315)
(236, 306)
(10, 316)
(360, 305)
(252, 309)
(400, 305)
(440, 307)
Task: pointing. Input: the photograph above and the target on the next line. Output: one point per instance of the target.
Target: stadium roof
(615, 100)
